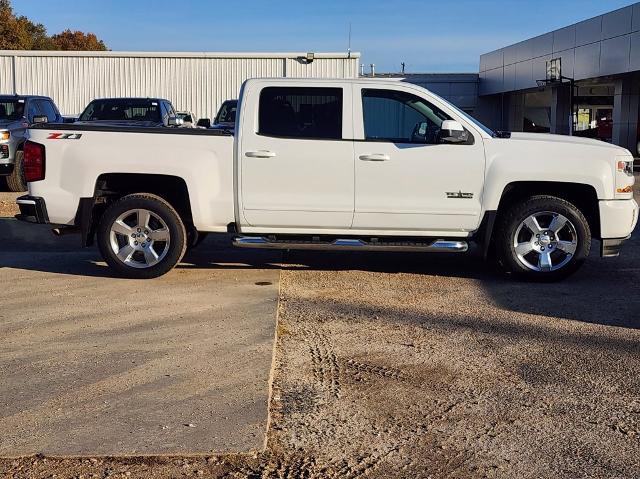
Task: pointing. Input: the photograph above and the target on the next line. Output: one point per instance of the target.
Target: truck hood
(567, 140)
(7, 123)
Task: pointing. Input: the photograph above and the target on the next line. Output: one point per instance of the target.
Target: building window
(293, 112)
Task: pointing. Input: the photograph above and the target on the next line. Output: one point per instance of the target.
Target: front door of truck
(406, 178)
(296, 157)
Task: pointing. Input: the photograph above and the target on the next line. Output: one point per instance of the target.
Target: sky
(427, 35)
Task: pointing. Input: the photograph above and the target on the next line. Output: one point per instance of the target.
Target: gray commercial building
(598, 97)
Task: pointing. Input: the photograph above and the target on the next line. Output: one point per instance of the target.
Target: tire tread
(16, 180)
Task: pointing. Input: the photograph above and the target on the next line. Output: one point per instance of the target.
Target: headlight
(626, 167)
(5, 135)
(624, 176)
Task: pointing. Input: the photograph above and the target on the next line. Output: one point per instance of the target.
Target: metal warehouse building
(199, 82)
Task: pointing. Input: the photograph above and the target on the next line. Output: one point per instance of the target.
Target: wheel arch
(110, 187)
(583, 196)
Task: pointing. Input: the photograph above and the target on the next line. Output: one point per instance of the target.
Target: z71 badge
(64, 136)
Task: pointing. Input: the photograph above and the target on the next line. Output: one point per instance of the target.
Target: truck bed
(77, 156)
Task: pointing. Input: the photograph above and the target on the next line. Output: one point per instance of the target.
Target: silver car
(17, 113)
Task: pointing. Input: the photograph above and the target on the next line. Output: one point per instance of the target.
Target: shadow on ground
(601, 292)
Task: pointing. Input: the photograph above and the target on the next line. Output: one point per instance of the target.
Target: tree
(20, 33)
(69, 40)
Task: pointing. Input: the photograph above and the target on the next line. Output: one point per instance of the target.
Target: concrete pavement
(95, 365)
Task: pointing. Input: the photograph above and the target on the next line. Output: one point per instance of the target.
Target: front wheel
(141, 236)
(543, 238)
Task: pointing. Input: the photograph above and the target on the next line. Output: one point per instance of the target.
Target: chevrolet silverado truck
(17, 112)
(356, 165)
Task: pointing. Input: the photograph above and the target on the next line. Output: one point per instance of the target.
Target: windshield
(469, 118)
(227, 113)
(11, 109)
(122, 110)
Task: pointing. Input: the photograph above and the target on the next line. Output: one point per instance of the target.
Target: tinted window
(170, 110)
(227, 113)
(48, 110)
(301, 112)
(122, 110)
(11, 109)
(32, 110)
(400, 117)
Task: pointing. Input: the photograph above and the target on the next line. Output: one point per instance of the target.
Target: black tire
(16, 181)
(175, 247)
(512, 222)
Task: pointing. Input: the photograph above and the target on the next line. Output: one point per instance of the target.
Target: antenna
(349, 47)
(402, 64)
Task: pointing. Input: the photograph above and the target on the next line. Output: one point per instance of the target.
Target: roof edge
(125, 54)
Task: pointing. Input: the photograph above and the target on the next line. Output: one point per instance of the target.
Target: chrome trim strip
(437, 246)
(25, 202)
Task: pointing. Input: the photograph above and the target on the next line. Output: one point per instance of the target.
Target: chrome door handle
(375, 157)
(260, 154)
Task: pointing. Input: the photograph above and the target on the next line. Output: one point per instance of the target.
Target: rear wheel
(543, 238)
(16, 180)
(141, 236)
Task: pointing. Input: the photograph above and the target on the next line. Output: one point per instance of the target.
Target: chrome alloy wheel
(139, 238)
(545, 241)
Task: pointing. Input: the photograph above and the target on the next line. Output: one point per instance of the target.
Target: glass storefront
(593, 111)
(537, 112)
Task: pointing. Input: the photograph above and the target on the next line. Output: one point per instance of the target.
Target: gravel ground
(8, 205)
(424, 366)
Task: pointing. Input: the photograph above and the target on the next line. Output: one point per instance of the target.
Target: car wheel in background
(16, 180)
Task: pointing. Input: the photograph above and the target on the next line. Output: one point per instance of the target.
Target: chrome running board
(432, 246)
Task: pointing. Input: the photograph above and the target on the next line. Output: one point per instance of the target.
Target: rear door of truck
(296, 163)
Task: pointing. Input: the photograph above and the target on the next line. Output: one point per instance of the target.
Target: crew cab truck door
(407, 179)
(296, 156)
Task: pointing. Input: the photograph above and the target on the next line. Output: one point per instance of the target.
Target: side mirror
(40, 119)
(175, 121)
(204, 123)
(452, 131)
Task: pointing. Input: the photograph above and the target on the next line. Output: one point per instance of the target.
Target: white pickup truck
(333, 164)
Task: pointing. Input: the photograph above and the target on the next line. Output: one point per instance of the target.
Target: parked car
(17, 112)
(130, 112)
(353, 165)
(226, 117)
(189, 120)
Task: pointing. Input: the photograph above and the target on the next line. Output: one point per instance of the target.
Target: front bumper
(618, 219)
(32, 209)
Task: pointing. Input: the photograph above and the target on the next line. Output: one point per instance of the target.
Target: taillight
(34, 161)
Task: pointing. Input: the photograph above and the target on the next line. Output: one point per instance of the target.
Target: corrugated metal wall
(199, 82)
